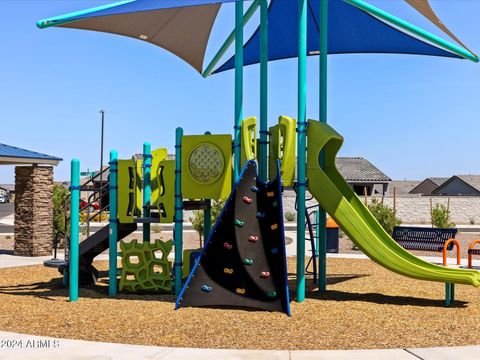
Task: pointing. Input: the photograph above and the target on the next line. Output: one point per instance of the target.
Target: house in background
(427, 186)
(401, 187)
(458, 185)
(362, 175)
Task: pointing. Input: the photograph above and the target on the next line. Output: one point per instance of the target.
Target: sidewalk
(19, 346)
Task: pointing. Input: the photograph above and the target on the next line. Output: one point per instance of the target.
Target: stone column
(33, 210)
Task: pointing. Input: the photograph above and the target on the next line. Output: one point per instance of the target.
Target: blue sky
(411, 116)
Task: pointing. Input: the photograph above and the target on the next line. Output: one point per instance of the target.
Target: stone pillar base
(33, 210)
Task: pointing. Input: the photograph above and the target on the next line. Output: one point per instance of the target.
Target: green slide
(338, 199)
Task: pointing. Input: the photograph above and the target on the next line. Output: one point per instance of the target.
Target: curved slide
(343, 205)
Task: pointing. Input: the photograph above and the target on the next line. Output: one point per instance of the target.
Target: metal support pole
(263, 150)
(238, 86)
(147, 166)
(102, 112)
(302, 146)
(322, 256)
(113, 224)
(178, 232)
(74, 229)
(449, 294)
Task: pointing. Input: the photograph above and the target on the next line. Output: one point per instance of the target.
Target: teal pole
(113, 223)
(74, 229)
(207, 214)
(262, 156)
(147, 190)
(238, 85)
(302, 146)
(322, 218)
(226, 44)
(178, 233)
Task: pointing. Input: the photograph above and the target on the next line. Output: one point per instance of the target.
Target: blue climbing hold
(261, 215)
(255, 189)
(206, 288)
(274, 251)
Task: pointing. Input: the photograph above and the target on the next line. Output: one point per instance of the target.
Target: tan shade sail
(182, 31)
(424, 8)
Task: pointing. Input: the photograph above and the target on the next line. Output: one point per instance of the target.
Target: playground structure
(202, 169)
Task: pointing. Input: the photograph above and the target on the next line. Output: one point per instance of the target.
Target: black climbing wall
(243, 262)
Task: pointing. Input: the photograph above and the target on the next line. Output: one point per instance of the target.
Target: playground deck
(366, 307)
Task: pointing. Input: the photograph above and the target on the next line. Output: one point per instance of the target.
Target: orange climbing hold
(240, 291)
(228, 271)
(274, 226)
(270, 194)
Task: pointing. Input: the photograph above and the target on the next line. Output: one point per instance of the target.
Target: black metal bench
(427, 239)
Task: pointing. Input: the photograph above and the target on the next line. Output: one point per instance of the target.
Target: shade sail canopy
(351, 30)
(180, 26)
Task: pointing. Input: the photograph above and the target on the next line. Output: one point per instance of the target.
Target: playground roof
(11, 155)
(180, 26)
(351, 30)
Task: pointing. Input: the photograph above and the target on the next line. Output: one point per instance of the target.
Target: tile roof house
(458, 185)
(428, 185)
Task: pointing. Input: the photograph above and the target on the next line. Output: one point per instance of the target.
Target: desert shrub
(290, 215)
(198, 217)
(156, 229)
(384, 215)
(60, 195)
(441, 216)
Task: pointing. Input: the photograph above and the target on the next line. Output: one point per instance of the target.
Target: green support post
(147, 190)
(322, 218)
(178, 232)
(302, 146)
(263, 150)
(74, 229)
(449, 294)
(207, 214)
(113, 223)
(238, 86)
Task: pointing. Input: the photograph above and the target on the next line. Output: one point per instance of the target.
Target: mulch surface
(366, 306)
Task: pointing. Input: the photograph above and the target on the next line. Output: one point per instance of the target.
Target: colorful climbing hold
(261, 215)
(247, 200)
(274, 251)
(253, 238)
(248, 261)
(264, 274)
(270, 194)
(206, 288)
(275, 204)
(239, 223)
(274, 226)
(227, 245)
(240, 291)
(272, 294)
(255, 189)
(228, 271)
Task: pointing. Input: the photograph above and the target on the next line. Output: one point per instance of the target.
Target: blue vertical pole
(147, 166)
(238, 86)
(302, 146)
(113, 223)
(178, 233)
(262, 156)
(74, 228)
(322, 256)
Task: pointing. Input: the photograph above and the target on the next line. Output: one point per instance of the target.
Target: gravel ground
(365, 306)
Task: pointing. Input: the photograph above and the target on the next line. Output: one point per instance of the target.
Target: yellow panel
(166, 191)
(283, 148)
(126, 191)
(206, 166)
(157, 156)
(138, 188)
(248, 140)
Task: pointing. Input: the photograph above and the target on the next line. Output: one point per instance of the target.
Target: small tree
(441, 216)
(384, 215)
(60, 195)
(198, 217)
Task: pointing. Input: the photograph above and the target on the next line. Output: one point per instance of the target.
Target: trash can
(332, 236)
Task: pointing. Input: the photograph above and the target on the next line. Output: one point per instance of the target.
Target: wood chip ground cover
(365, 307)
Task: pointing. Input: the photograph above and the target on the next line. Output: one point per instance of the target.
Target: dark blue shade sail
(351, 30)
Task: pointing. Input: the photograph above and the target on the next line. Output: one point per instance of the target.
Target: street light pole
(101, 157)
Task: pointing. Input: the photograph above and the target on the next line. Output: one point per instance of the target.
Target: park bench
(427, 239)
(472, 251)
